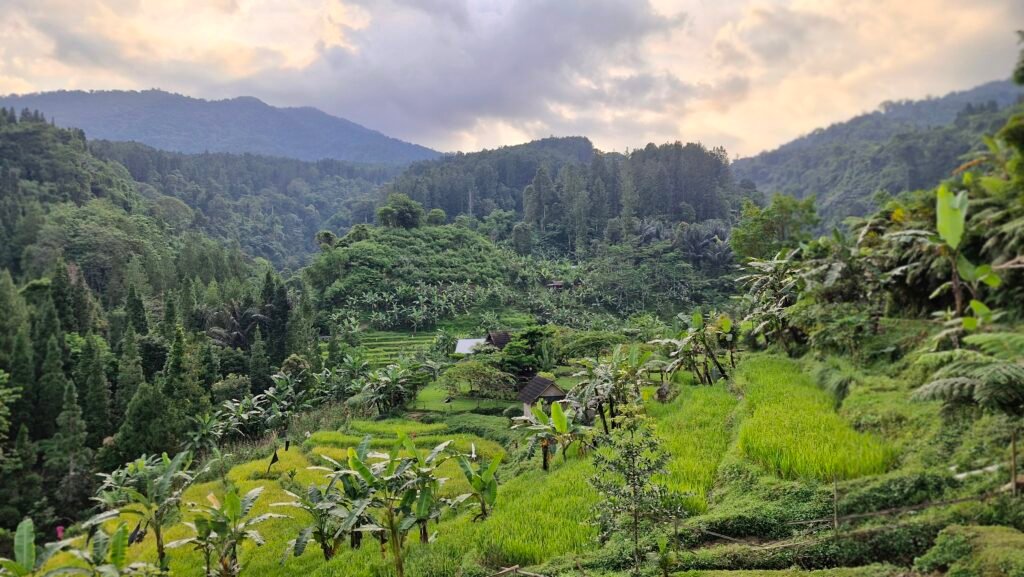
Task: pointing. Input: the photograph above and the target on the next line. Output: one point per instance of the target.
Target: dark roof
(535, 390)
(498, 338)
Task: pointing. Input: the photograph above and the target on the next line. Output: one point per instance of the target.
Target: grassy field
(697, 430)
(793, 430)
(383, 347)
(432, 397)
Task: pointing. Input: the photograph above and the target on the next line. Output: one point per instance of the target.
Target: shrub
(972, 551)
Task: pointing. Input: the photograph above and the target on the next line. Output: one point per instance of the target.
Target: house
(498, 339)
(539, 389)
(466, 346)
(556, 285)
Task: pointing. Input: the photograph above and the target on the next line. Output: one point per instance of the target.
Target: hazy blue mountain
(239, 125)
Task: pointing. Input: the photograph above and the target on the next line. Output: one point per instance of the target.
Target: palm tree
(989, 375)
(233, 324)
(772, 286)
(594, 392)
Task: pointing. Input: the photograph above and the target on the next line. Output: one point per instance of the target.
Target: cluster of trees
(271, 207)
(570, 198)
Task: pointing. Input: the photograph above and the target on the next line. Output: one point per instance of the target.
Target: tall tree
(68, 456)
(169, 325)
(146, 429)
(136, 312)
(52, 384)
(12, 315)
(129, 373)
(628, 195)
(46, 324)
(23, 378)
(95, 392)
(185, 395)
(259, 364)
(63, 299)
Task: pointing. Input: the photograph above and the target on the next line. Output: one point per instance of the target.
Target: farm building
(498, 339)
(539, 389)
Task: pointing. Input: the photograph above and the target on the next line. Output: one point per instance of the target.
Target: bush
(489, 427)
(231, 387)
(972, 551)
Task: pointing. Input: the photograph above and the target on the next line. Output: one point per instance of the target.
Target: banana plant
(220, 528)
(27, 562)
(483, 482)
(149, 488)
(105, 556)
(550, 433)
(333, 518)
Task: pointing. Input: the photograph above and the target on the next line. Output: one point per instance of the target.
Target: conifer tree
(259, 364)
(136, 312)
(95, 392)
(185, 396)
(629, 197)
(52, 384)
(82, 303)
(280, 319)
(46, 325)
(68, 456)
(63, 300)
(129, 373)
(23, 378)
(12, 315)
(170, 322)
(209, 366)
(146, 428)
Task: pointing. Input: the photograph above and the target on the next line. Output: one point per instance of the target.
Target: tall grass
(697, 430)
(793, 430)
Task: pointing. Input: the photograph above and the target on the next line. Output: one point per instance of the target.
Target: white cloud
(461, 74)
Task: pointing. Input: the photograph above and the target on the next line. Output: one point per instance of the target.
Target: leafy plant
(483, 482)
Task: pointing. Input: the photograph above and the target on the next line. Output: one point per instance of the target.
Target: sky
(748, 75)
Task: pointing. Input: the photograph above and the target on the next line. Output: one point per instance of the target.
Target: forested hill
(572, 195)
(183, 124)
(903, 145)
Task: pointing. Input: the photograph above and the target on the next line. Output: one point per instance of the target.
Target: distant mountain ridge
(903, 145)
(245, 124)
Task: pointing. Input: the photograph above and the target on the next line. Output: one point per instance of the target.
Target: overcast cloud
(452, 74)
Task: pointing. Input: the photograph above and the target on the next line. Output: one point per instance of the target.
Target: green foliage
(477, 378)
(782, 225)
(970, 551)
(793, 431)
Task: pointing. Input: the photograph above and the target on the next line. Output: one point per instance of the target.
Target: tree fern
(1005, 346)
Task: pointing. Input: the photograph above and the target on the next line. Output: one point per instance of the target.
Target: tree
(170, 321)
(783, 224)
(68, 456)
(333, 518)
(23, 378)
(129, 374)
(259, 365)
(185, 395)
(136, 311)
(626, 479)
(989, 375)
(522, 238)
(52, 385)
(146, 428)
(628, 195)
(436, 217)
(45, 324)
(13, 314)
(400, 212)
(95, 391)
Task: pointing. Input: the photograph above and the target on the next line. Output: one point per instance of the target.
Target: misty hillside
(183, 124)
(903, 145)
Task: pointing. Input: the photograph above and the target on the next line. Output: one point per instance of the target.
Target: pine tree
(136, 312)
(209, 366)
(170, 322)
(187, 307)
(130, 375)
(280, 319)
(52, 384)
(63, 299)
(46, 325)
(23, 378)
(547, 198)
(82, 301)
(146, 428)
(259, 364)
(95, 392)
(185, 396)
(531, 205)
(12, 315)
(68, 456)
(628, 195)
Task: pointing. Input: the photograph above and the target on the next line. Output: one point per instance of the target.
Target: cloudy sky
(467, 74)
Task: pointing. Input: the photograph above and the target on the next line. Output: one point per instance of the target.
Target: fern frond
(1004, 346)
(950, 390)
(937, 360)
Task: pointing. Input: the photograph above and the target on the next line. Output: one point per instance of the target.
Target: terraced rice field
(385, 347)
